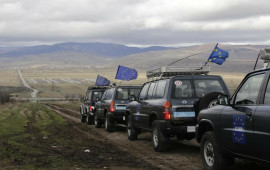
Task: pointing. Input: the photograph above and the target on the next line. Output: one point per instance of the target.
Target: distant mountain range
(97, 49)
(241, 57)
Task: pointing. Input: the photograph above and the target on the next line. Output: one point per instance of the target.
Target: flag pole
(187, 57)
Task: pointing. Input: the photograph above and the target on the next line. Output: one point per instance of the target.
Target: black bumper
(118, 117)
(168, 128)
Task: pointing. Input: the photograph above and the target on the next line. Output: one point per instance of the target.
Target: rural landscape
(48, 134)
(134, 85)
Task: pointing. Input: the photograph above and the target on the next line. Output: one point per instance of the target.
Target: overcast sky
(134, 22)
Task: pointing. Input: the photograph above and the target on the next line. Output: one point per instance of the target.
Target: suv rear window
(203, 87)
(182, 89)
(97, 94)
(124, 93)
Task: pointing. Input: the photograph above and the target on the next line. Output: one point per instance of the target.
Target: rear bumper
(169, 129)
(118, 117)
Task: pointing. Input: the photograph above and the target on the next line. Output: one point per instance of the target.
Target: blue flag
(102, 81)
(125, 73)
(218, 56)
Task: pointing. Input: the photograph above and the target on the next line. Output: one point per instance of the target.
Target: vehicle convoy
(165, 106)
(111, 108)
(239, 126)
(88, 103)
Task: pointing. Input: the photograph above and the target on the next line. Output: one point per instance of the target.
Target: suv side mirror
(132, 98)
(223, 100)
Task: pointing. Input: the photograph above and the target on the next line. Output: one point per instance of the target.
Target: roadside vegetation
(34, 137)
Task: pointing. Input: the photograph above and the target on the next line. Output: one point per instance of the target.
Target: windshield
(124, 93)
(203, 87)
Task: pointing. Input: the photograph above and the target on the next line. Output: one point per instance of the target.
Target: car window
(248, 93)
(88, 95)
(143, 92)
(109, 94)
(134, 92)
(203, 87)
(182, 89)
(160, 89)
(104, 95)
(151, 90)
(267, 94)
(96, 94)
(122, 94)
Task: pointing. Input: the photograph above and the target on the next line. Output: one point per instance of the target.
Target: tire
(211, 158)
(132, 133)
(83, 118)
(109, 126)
(97, 122)
(208, 100)
(159, 140)
(89, 120)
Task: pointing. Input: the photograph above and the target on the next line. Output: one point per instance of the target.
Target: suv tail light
(91, 108)
(112, 107)
(166, 112)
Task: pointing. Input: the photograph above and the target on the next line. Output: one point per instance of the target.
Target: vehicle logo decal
(184, 102)
(178, 83)
(239, 123)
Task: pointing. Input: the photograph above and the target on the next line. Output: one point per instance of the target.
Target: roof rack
(169, 71)
(97, 87)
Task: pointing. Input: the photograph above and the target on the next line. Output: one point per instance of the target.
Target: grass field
(74, 82)
(34, 137)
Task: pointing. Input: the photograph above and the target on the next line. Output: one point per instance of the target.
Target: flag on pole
(218, 56)
(125, 73)
(102, 81)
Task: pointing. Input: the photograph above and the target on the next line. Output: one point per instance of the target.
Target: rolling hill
(241, 59)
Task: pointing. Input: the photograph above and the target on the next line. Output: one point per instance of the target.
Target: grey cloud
(153, 22)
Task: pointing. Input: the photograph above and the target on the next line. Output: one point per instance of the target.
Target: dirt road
(182, 154)
(25, 84)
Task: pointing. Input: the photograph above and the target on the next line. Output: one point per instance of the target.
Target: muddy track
(182, 155)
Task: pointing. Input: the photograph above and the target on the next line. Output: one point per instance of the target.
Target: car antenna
(256, 62)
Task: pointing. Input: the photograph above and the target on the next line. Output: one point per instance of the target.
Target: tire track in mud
(182, 155)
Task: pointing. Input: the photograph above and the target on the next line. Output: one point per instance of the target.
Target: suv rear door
(182, 100)
(237, 122)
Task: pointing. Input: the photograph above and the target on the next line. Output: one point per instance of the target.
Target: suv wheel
(83, 118)
(211, 158)
(97, 122)
(108, 125)
(89, 119)
(159, 140)
(131, 131)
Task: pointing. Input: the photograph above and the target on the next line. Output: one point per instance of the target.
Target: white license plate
(190, 128)
(184, 114)
(121, 107)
